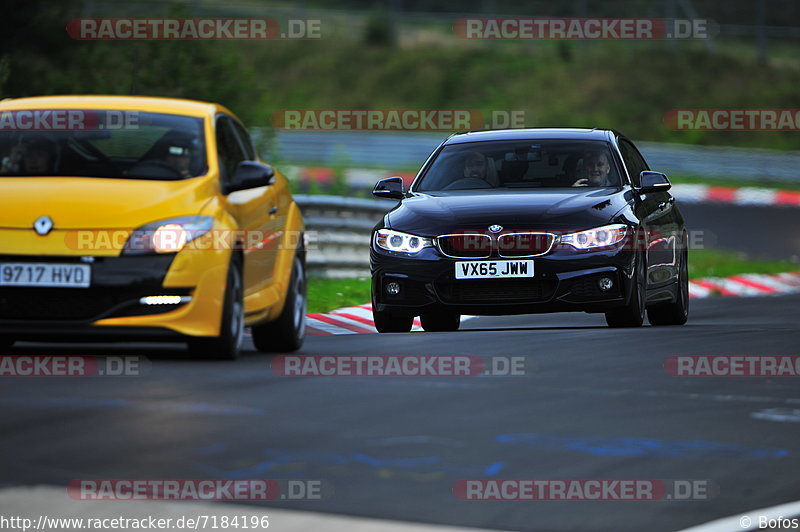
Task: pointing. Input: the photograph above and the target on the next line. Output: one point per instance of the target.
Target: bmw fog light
(605, 284)
(392, 288)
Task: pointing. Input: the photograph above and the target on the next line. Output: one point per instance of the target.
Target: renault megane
(144, 219)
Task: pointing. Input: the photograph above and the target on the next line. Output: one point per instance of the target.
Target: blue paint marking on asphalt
(279, 457)
(494, 468)
(214, 448)
(606, 446)
(396, 462)
(78, 402)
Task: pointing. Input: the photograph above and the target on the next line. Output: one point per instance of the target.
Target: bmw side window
(633, 161)
(246, 141)
(639, 159)
(228, 149)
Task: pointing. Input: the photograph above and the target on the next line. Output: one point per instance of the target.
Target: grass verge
(679, 179)
(719, 263)
(325, 295)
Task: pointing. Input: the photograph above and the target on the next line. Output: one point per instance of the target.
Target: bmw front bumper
(564, 280)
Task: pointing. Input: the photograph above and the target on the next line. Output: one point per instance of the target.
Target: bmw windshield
(521, 164)
(101, 143)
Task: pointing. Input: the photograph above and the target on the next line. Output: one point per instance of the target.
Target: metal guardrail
(338, 230)
(410, 149)
(723, 162)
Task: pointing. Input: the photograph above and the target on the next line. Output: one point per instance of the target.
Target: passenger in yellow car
(32, 156)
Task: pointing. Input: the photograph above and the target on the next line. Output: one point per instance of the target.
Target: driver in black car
(475, 174)
(475, 166)
(597, 168)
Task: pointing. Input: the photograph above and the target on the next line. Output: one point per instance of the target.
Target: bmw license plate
(46, 275)
(493, 269)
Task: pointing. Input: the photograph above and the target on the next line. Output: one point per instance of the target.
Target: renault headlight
(167, 236)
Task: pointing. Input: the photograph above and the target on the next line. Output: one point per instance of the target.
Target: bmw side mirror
(653, 182)
(250, 174)
(389, 188)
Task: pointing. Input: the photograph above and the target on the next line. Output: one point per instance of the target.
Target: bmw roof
(532, 133)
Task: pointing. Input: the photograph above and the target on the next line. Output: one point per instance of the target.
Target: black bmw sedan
(529, 221)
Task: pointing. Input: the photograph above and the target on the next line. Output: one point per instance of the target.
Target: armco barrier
(338, 231)
(403, 150)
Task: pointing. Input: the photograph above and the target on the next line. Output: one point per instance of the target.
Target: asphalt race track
(593, 403)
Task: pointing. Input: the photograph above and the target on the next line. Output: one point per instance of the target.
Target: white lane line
(748, 520)
(790, 277)
(366, 314)
(327, 327)
(755, 196)
(752, 283)
(690, 193)
(789, 401)
(713, 285)
(784, 283)
(771, 281)
(739, 285)
(787, 415)
(347, 323)
(355, 311)
(739, 289)
(696, 290)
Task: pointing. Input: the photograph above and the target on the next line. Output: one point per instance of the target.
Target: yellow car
(147, 219)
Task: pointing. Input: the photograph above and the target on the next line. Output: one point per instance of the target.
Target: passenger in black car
(597, 168)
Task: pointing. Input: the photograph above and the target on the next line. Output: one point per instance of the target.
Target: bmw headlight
(167, 236)
(599, 237)
(402, 242)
